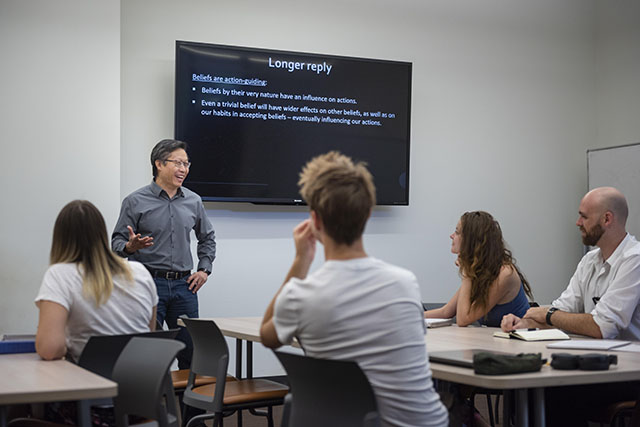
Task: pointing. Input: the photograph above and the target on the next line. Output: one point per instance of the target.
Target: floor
(249, 420)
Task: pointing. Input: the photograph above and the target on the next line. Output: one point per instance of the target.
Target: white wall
(618, 71)
(60, 133)
(503, 112)
(507, 97)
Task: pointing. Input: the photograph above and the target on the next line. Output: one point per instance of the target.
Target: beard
(592, 236)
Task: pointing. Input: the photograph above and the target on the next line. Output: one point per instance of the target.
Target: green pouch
(487, 363)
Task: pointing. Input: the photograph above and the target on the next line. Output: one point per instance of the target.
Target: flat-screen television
(254, 117)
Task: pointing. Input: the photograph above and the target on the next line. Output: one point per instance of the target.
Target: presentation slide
(254, 117)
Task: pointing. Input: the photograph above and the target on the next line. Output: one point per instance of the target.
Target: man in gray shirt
(154, 229)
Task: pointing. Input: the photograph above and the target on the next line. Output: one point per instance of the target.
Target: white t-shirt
(127, 311)
(609, 290)
(367, 311)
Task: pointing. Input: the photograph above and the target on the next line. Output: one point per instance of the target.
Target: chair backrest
(101, 351)
(210, 358)
(328, 393)
(144, 385)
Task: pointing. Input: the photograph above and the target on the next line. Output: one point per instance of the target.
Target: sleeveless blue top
(518, 306)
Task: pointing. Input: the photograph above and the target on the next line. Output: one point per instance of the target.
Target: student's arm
(50, 338)
(466, 313)
(447, 311)
(305, 243)
(511, 321)
(575, 323)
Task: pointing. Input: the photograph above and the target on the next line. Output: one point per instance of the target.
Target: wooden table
(528, 388)
(26, 378)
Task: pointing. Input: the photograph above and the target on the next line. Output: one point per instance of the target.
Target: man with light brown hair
(354, 307)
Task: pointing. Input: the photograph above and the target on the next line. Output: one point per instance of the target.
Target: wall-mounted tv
(254, 117)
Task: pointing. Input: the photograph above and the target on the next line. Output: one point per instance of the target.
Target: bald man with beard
(601, 301)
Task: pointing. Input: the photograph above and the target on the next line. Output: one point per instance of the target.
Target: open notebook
(534, 334)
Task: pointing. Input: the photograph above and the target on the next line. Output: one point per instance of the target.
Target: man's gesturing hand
(136, 241)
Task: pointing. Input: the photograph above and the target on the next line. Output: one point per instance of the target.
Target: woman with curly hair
(492, 285)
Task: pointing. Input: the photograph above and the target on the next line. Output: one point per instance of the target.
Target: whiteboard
(618, 167)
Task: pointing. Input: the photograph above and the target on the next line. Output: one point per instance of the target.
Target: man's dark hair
(163, 149)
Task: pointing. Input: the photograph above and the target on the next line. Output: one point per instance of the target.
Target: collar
(159, 191)
(618, 253)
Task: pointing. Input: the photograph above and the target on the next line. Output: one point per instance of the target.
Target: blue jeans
(174, 300)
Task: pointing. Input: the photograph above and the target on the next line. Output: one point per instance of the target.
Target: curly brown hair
(482, 255)
(340, 192)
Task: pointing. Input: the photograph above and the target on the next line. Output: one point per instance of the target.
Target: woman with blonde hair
(492, 285)
(87, 289)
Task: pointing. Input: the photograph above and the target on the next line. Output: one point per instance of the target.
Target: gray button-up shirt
(150, 212)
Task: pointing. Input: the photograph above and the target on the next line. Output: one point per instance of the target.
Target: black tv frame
(202, 158)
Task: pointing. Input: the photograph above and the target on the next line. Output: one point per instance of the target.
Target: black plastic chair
(327, 393)
(102, 354)
(211, 358)
(180, 377)
(616, 414)
(102, 351)
(144, 385)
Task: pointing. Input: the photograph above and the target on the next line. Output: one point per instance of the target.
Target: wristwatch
(549, 313)
(205, 270)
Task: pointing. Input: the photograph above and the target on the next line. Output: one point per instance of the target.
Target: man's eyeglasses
(180, 163)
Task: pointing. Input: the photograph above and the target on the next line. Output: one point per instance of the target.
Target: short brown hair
(340, 192)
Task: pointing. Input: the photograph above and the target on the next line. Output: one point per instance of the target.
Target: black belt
(167, 274)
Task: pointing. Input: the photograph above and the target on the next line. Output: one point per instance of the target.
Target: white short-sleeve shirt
(370, 312)
(127, 311)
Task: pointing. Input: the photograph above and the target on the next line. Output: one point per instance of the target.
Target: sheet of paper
(589, 344)
(633, 347)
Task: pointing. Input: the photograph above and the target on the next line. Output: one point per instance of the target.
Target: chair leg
(196, 419)
(490, 410)
(218, 420)
(270, 416)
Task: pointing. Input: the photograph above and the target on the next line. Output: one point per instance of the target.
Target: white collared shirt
(609, 290)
